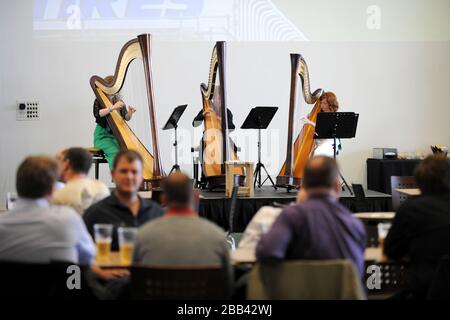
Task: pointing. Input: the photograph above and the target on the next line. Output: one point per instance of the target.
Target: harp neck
(221, 62)
(217, 70)
(302, 69)
(298, 67)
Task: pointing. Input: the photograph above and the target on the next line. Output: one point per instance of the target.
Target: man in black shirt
(421, 228)
(124, 207)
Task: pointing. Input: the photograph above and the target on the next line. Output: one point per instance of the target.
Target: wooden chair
(310, 280)
(401, 182)
(179, 283)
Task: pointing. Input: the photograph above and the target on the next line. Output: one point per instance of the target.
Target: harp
(297, 154)
(217, 145)
(138, 48)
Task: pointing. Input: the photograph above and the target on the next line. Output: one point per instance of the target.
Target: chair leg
(96, 169)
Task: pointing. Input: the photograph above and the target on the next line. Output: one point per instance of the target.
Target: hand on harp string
(305, 120)
(131, 111)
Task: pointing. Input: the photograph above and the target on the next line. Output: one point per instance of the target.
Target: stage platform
(216, 207)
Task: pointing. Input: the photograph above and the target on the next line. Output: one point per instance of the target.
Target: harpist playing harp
(107, 89)
(298, 153)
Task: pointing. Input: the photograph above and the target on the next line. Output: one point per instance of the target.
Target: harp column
(144, 42)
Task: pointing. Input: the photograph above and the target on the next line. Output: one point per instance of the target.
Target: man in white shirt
(259, 225)
(80, 191)
(36, 231)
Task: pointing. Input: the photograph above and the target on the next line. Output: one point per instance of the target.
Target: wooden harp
(217, 145)
(138, 48)
(297, 154)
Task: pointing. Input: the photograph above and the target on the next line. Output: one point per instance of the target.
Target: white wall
(399, 89)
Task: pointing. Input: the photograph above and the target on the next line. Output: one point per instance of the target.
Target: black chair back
(179, 283)
(392, 278)
(401, 182)
(44, 281)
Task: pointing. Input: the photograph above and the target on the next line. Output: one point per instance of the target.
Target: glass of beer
(127, 237)
(103, 238)
(383, 229)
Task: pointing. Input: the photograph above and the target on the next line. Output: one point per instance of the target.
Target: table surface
(242, 256)
(398, 160)
(375, 215)
(237, 257)
(409, 192)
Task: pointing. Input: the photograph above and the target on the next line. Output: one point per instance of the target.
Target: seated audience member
(180, 237)
(59, 184)
(124, 207)
(36, 231)
(421, 227)
(319, 228)
(80, 191)
(261, 223)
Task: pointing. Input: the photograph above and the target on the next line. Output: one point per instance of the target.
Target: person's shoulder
(209, 225)
(151, 225)
(63, 192)
(413, 205)
(64, 213)
(98, 206)
(69, 189)
(294, 209)
(152, 205)
(97, 185)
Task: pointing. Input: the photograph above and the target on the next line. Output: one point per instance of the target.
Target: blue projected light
(240, 20)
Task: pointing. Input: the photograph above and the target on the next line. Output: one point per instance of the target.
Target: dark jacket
(421, 232)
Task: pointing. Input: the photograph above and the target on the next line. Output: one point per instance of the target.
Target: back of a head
(36, 177)
(178, 190)
(321, 172)
(80, 160)
(433, 175)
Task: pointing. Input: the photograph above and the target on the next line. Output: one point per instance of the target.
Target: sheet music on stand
(339, 125)
(336, 125)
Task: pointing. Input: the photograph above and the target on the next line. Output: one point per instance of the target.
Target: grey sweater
(181, 240)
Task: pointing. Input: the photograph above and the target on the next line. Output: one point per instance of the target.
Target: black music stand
(172, 123)
(259, 118)
(336, 125)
